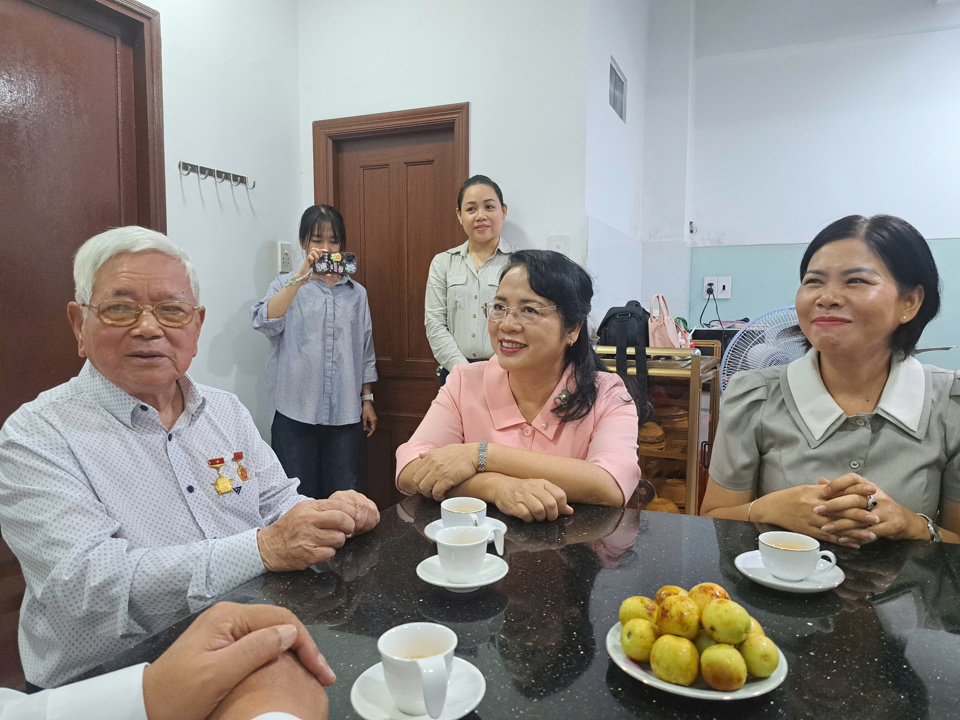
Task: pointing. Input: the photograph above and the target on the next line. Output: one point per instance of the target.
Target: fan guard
(771, 339)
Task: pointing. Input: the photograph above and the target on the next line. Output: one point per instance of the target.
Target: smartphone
(336, 263)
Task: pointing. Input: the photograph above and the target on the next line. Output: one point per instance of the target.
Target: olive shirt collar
(503, 247)
(904, 400)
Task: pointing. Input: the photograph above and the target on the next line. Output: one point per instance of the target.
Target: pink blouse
(476, 404)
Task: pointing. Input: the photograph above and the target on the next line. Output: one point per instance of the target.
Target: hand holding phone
(336, 264)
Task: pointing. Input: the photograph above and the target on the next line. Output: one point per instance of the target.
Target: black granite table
(884, 644)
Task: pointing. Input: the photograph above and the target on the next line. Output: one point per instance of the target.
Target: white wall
(520, 65)
(614, 151)
(667, 151)
(230, 102)
(856, 112)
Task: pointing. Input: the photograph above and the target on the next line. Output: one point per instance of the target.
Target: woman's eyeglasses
(525, 314)
(121, 313)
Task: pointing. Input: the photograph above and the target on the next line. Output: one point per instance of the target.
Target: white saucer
(372, 701)
(751, 565)
(493, 569)
(436, 526)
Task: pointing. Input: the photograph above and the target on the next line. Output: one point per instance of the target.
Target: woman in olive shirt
(463, 278)
(856, 440)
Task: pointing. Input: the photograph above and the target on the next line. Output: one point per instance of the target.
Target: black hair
(560, 280)
(906, 256)
(478, 180)
(315, 217)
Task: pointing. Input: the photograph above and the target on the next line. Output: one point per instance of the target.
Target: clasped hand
(311, 531)
(845, 507)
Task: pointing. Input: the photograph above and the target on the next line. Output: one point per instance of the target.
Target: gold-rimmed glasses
(125, 313)
(525, 314)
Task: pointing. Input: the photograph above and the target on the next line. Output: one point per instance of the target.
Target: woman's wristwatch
(932, 528)
(366, 398)
(481, 456)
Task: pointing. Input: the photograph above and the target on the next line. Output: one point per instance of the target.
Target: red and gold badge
(241, 470)
(222, 485)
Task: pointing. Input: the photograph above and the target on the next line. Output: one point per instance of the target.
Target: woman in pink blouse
(540, 425)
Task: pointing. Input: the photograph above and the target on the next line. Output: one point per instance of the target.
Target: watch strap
(365, 398)
(481, 456)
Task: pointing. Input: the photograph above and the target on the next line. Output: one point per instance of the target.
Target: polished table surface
(884, 644)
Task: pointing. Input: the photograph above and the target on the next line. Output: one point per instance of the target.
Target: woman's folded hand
(532, 499)
(444, 468)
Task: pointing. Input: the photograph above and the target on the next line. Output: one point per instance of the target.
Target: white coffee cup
(417, 661)
(462, 550)
(793, 557)
(458, 511)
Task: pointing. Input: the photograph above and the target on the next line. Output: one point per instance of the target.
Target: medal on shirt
(241, 470)
(222, 485)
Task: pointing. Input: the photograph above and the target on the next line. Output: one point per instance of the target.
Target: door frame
(327, 133)
(144, 24)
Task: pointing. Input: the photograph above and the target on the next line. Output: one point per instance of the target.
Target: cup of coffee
(463, 511)
(793, 557)
(462, 550)
(417, 661)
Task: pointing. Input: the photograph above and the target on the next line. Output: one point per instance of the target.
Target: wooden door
(81, 150)
(395, 179)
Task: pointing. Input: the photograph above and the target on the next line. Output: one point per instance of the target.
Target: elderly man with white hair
(130, 490)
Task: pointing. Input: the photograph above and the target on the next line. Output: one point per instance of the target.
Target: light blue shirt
(321, 351)
(116, 522)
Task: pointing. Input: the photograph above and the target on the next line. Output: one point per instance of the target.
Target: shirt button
(474, 297)
(474, 316)
(543, 425)
(189, 488)
(170, 437)
(526, 431)
(143, 407)
(861, 422)
(474, 354)
(855, 464)
(473, 334)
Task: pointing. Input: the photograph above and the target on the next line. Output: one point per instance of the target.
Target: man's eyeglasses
(121, 313)
(525, 314)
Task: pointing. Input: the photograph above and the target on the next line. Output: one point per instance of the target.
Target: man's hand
(224, 646)
(368, 417)
(279, 686)
(308, 533)
(361, 508)
(533, 499)
(445, 467)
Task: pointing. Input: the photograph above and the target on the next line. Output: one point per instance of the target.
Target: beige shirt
(453, 305)
(780, 427)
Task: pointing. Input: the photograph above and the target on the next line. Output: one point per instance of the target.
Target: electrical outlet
(723, 287)
(710, 280)
(559, 243)
(284, 257)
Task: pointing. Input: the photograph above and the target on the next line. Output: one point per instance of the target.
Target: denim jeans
(325, 458)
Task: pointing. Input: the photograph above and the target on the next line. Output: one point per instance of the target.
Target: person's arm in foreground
(235, 661)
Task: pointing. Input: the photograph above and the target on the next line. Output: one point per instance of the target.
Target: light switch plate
(284, 257)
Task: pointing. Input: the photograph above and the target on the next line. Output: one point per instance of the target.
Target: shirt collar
(503, 248)
(503, 407)
(902, 400)
(123, 406)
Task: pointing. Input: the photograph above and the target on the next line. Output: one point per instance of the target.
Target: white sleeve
(115, 696)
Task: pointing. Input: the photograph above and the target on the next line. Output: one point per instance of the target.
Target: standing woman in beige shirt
(463, 278)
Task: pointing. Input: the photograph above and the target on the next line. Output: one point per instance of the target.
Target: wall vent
(618, 90)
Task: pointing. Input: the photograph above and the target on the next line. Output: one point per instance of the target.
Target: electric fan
(763, 343)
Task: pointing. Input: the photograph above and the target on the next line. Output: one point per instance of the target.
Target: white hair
(96, 251)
